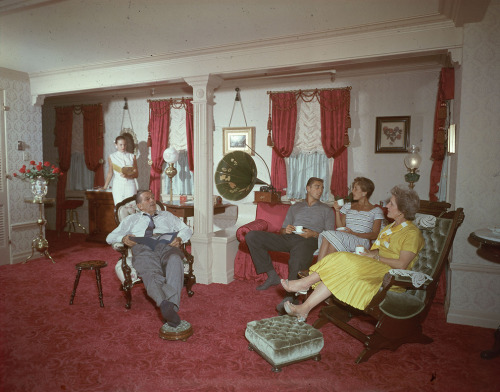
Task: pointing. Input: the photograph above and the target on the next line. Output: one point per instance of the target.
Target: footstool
(95, 265)
(182, 332)
(284, 340)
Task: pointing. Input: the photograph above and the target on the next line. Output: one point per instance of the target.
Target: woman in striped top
(359, 222)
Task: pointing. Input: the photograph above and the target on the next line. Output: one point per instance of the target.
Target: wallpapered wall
(23, 123)
(475, 292)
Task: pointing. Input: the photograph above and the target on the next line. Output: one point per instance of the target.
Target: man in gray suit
(158, 263)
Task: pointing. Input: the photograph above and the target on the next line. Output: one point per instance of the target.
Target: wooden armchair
(398, 316)
(124, 268)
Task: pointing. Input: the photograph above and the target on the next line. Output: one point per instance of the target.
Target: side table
(489, 249)
(40, 243)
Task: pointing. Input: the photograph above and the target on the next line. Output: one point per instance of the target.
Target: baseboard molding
(476, 319)
(480, 268)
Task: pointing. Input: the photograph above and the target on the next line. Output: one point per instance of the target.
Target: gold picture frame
(238, 139)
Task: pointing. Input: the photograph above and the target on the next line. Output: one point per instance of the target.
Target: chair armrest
(258, 224)
(120, 247)
(417, 279)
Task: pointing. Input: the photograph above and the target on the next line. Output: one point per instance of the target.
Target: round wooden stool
(95, 265)
(182, 332)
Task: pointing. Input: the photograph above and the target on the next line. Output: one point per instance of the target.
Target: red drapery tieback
(63, 131)
(93, 141)
(190, 132)
(335, 120)
(158, 129)
(446, 91)
(284, 109)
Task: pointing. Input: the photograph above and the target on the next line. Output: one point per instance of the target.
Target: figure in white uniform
(124, 167)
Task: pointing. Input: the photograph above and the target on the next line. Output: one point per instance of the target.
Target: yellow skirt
(351, 278)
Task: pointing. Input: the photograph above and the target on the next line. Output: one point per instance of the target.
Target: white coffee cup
(340, 202)
(299, 229)
(359, 249)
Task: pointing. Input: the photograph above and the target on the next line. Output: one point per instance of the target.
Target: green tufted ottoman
(282, 340)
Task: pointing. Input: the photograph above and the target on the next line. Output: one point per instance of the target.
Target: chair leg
(390, 334)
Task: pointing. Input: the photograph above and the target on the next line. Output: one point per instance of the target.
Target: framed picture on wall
(238, 139)
(392, 134)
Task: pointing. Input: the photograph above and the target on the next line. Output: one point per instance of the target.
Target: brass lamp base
(171, 171)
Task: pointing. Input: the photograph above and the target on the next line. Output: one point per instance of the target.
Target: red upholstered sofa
(269, 217)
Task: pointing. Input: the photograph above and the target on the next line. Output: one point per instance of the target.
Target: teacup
(340, 202)
(359, 249)
(299, 229)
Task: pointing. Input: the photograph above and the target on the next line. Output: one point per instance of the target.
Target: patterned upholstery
(283, 340)
(411, 302)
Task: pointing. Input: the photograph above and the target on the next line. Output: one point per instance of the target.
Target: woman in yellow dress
(355, 279)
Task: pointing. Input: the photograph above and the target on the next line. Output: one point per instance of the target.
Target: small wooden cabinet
(101, 215)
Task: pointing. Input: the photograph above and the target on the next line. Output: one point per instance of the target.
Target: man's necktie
(150, 228)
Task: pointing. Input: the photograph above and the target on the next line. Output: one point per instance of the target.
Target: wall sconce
(412, 163)
(451, 139)
(171, 155)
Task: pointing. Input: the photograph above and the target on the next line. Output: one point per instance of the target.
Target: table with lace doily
(488, 240)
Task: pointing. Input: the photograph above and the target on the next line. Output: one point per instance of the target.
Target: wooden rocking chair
(398, 316)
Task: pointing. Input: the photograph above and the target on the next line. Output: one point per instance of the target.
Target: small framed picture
(392, 134)
(238, 139)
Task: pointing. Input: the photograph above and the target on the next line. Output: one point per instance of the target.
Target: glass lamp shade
(413, 159)
(170, 155)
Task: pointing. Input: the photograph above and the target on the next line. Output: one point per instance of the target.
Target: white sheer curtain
(308, 158)
(79, 177)
(304, 166)
(182, 183)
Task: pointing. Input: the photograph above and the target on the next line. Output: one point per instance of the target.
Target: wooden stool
(72, 222)
(95, 265)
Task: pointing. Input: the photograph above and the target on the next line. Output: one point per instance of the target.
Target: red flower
(22, 170)
(39, 167)
(28, 171)
(56, 170)
(32, 162)
(47, 164)
(15, 174)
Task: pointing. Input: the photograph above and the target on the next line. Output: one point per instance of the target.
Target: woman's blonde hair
(407, 201)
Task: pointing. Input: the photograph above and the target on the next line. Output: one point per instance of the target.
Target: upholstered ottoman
(282, 340)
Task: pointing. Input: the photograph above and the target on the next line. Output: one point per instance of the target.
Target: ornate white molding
(360, 44)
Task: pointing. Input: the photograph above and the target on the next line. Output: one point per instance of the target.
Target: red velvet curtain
(159, 120)
(63, 131)
(188, 104)
(284, 120)
(335, 121)
(93, 141)
(446, 91)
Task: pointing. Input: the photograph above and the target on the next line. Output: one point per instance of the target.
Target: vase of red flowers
(39, 176)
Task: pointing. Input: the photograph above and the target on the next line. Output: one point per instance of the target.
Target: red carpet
(49, 345)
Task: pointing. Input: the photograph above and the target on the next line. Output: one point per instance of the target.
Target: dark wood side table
(186, 210)
(489, 249)
(101, 215)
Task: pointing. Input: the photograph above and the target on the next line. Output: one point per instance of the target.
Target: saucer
(341, 228)
(298, 232)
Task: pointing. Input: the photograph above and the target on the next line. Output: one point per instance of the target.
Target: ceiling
(55, 36)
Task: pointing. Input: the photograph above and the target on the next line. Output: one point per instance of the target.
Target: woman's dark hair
(120, 138)
(365, 184)
(407, 201)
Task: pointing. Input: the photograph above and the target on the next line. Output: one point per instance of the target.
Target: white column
(203, 94)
